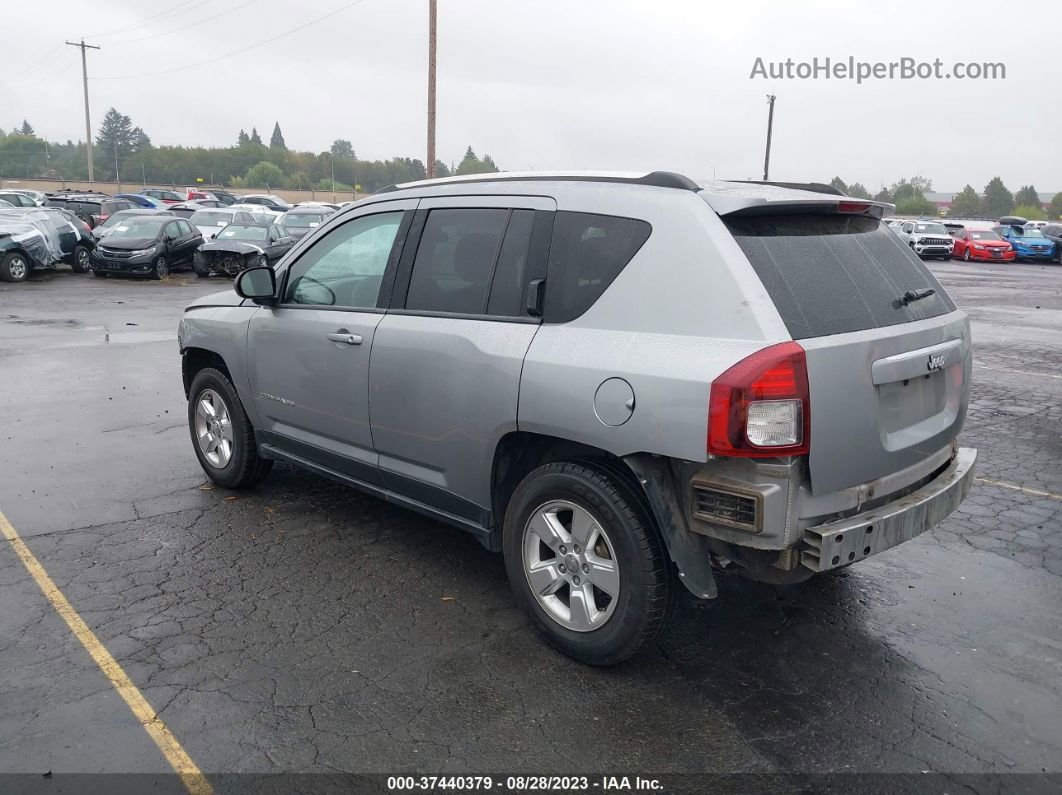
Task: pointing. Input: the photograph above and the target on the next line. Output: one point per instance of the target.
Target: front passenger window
(346, 266)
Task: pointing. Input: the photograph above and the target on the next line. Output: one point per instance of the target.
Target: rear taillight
(761, 406)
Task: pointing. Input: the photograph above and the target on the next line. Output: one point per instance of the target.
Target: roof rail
(659, 179)
(816, 187)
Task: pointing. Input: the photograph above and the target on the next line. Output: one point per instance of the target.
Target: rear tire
(623, 580)
(15, 267)
(80, 261)
(234, 463)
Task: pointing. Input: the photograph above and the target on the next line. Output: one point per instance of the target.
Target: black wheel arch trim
(688, 550)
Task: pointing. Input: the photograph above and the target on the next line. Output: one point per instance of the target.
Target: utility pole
(431, 88)
(332, 168)
(770, 127)
(84, 79)
(117, 179)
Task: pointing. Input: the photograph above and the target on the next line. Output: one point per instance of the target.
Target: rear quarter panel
(685, 308)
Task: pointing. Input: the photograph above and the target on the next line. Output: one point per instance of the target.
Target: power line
(177, 30)
(154, 17)
(234, 52)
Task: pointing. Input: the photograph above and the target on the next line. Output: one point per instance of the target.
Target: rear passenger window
(455, 259)
(510, 272)
(587, 254)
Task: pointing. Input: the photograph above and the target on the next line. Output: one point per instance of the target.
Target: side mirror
(258, 284)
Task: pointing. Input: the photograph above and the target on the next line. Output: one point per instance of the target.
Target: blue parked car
(140, 200)
(1028, 243)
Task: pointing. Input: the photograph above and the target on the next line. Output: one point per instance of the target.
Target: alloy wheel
(213, 428)
(18, 269)
(570, 565)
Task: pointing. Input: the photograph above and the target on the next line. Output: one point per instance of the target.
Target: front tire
(586, 563)
(160, 269)
(966, 255)
(222, 436)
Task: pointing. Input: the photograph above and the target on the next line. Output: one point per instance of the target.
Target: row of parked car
(1011, 238)
(151, 233)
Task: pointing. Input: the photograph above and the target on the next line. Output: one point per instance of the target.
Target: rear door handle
(345, 337)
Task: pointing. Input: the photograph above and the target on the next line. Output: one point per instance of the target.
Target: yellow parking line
(191, 776)
(1022, 489)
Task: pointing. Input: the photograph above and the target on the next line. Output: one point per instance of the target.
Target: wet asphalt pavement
(304, 627)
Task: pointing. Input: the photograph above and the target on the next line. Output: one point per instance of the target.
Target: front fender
(221, 331)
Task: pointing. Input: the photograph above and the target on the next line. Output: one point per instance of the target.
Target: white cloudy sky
(615, 84)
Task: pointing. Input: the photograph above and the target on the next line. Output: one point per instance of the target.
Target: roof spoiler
(814, 187)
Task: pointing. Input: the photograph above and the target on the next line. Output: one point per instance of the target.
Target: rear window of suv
(832, 274)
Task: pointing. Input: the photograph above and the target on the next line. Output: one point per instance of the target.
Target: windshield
(210, 218)
(987, 235)
(303, 220)
(134, 227)
(115, 219)
(933, 229)
(255, 233)
(1032, 233)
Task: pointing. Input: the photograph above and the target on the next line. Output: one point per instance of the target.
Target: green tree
(883, 195)
(26, 128)
(915, 205)
(341, 147)
(470, 164)
(1027, 196)
(277, 141)
(442, 170)
(1034, 212)
(998, 200)
(966, 204)
(255, 137)
(1055, 207)
(857, 190)
(242, 138)
(838, 184)
(263, 174)
(141, 141)
(116, 134)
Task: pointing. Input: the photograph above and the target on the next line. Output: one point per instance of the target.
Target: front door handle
(345, 337)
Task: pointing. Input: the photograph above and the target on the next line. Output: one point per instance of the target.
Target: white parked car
(926, 238)
(261, 213)
(210, 221)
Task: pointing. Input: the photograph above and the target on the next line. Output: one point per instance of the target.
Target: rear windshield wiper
(916, 295)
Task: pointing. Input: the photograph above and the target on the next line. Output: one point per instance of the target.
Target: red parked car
(981, 244)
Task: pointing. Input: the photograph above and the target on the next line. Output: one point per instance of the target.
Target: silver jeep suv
(620, 382)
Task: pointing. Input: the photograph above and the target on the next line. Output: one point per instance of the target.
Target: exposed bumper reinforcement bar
(835, 544)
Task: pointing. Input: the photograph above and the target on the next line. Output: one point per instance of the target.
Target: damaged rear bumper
(835, 544)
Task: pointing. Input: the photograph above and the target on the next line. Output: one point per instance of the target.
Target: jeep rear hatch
(888, 357)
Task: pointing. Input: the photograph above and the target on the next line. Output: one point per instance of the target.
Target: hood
(231, 246)
(224, 298)
(129, 243)
(1029, 241)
